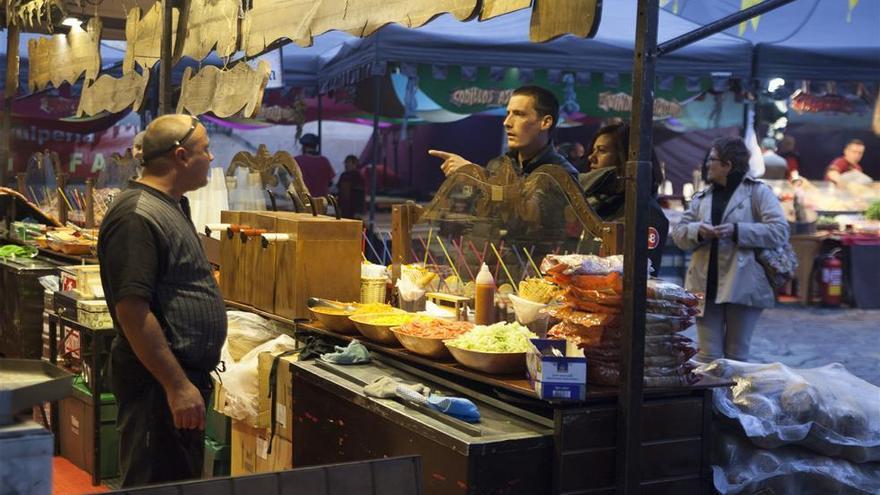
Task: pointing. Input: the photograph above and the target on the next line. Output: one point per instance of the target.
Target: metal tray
(27, 382)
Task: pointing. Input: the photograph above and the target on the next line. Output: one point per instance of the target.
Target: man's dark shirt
(148, 248)
(547, 156)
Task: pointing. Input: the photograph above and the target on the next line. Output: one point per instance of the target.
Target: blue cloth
(353, 353)
(456, 407)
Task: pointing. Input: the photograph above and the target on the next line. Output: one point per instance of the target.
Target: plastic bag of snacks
(827, 410)
(739, 467)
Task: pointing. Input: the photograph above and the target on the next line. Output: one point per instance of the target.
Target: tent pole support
(11, 88)
(702, 32)
(748, 86)
(377, 108)
(635, 268)
(165, 69)
(320, 123)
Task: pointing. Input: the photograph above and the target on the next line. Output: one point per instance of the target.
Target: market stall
(833, 221)
(528, 231)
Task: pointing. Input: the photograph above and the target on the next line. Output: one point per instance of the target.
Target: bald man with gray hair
(169, 315)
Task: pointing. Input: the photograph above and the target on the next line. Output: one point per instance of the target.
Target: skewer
(372, 248)
(437, 266)
(385, 251)
(464, 259)
(79, 199)
(415, 256)
(64, 197)
(427, 246)
(534, 266)
(523, 266)
(448, 258)
(498, 265)
(480, 259)
(501, 262)
(428, 253)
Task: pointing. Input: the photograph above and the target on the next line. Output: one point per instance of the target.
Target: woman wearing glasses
(724, 226)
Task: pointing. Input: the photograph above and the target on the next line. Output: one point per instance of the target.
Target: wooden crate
(321, 259)
(230, 251)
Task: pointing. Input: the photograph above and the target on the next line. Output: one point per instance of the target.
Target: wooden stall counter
(676, 426)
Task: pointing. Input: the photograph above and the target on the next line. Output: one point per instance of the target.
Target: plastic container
(484, 300)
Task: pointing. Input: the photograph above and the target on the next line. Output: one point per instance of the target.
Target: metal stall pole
(635, 246)
(377, 107)
(165, 93)
(12, 62)
(320, 122)
(635, 268)
(718, 26)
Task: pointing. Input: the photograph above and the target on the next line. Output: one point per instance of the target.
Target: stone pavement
(806, 337)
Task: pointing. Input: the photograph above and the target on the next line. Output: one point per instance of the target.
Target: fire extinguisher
(831, 279)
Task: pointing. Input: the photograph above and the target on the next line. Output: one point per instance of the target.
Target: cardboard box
(284, 395)
(279, 459)
(243, 448)
(250, 450)
(283, 389)
(553, 377)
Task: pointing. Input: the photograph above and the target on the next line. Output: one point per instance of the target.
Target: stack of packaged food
(592, 314)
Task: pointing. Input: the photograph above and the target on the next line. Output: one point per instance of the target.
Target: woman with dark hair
(724, 226)
(604, 186)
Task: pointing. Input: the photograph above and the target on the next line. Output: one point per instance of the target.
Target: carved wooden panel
(34, 14)
(364, 17)
(113, 95)
(223, 92)
(206, 24)
(261, 25)
(494, 8)
(551, 19)
(270, 168)
(64, 58)
(143, 36)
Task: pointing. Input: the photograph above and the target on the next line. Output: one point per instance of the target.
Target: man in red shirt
(316, 170)
(852, 155)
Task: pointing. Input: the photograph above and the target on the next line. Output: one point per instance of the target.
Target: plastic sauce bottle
(484, 299)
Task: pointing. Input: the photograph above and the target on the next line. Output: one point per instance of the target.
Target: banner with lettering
(691, 101)
(84, 146)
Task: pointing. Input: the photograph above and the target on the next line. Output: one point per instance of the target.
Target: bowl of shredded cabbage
(495, 349)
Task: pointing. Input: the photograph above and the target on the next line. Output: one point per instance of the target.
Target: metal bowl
(376, 333)
(424, 346)
(494, 363)
(332, 320)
